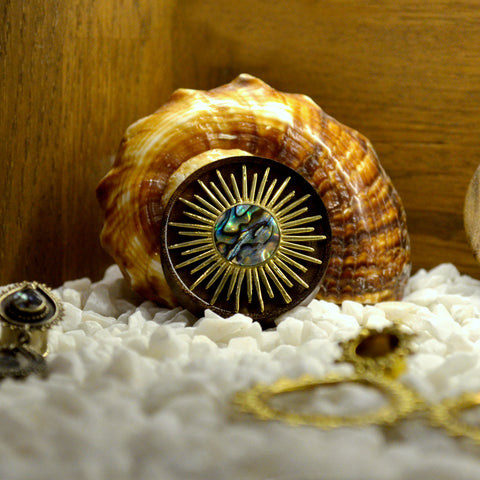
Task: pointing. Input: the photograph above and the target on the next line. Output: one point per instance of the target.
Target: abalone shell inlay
(28, 300)
(246, 234)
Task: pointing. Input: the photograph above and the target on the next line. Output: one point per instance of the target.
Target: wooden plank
(398, 71)
(406, 74)
(73, 76)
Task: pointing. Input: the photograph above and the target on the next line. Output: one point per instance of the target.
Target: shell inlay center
(246, 234)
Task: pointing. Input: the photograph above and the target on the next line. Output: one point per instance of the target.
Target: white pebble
(221, 330)
(140, 391)
(290, 331)
(243, 344)
(165, 344)
(424, 297)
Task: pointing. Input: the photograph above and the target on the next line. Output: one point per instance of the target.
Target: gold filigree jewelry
(381, 352)
(447, 413)
(402, 401)
(27, 311)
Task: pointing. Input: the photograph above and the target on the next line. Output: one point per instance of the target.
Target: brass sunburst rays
(247, 237)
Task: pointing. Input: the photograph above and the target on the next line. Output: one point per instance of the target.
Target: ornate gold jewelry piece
(245, 234)
(378, 358)
(402, 401)
(382, 352)
(27, 311)
(447, 415)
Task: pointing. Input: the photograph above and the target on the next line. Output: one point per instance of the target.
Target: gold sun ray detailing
(233, 281)
(199, 218)
(285, 267)
(304, 238)
(278, 193)
(236, 191)
(291, 261)
(291, 206)
(266, 283)
(262, 185)
(194, 234)
(241, 275)
(300, 255)
(278, 284)
(302, 221)
(292, 231)
(282, 202)
(202, 277)
(249, 286)
(226, 189)
(203, 265)
(255, 248)
(189, 244)
(253, 188)
(269, 192)
(208, 205)
(258, 288)
(194, 226)
(222, 284)
(195, 250)
(193, 259)
(293, 214)
(211, 195)
(220, 195)
(221, 269)
(278, 272)
(198, 208)
(297, 246)
(244, 183)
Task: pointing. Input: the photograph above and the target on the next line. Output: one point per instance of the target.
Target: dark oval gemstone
(28, 306)
(28, 300)
(377, 345)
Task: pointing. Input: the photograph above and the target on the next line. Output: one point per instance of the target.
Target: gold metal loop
(402, 401)
(447, 415)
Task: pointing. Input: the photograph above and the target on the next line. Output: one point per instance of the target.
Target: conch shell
(370, 252)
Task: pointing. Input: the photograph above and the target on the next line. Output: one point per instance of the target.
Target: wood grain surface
(74, 75)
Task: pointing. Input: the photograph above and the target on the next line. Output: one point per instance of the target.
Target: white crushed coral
(140, 392)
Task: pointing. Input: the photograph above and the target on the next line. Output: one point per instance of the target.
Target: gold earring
(378, 358)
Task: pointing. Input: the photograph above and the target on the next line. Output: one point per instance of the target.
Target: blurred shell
(471, 214)
(370, 246)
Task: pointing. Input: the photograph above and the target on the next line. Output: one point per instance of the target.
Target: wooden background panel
(404, 73)
(74, 75)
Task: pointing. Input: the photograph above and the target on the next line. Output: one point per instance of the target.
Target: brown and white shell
(370, 252)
